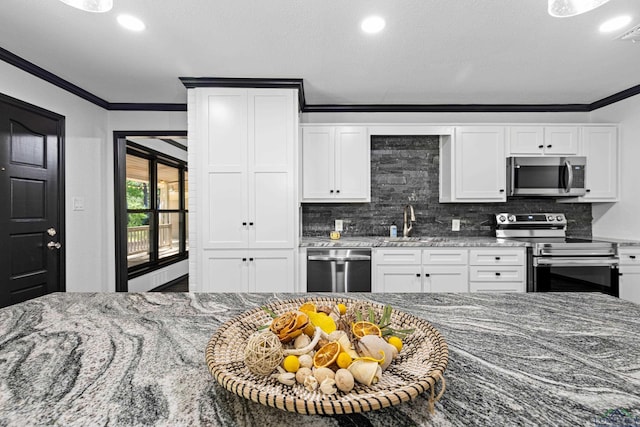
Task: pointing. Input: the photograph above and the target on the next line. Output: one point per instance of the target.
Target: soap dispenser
(393, 230)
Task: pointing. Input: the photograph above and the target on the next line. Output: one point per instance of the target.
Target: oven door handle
(571, 262)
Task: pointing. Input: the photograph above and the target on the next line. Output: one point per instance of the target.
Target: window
(151, 204)
(156, 194)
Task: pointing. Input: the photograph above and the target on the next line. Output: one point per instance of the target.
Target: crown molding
(446, 108)
(616, 97)
(194, 82)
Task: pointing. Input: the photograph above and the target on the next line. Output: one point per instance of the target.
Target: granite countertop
(387, 242)
(138, 359)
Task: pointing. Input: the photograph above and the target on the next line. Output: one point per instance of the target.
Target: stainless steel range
(557, 263)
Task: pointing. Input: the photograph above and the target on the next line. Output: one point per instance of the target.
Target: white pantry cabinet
(336, 165)
(473, 165)
(630, 273)
(244, 144)
(543, 140)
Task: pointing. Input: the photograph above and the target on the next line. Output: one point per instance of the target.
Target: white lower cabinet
(249, 271)
(449, 270)
(497, 270)
(630, 274)
(418, 270)
(398, 278)
(450, 278)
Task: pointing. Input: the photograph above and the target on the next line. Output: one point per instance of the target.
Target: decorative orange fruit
(327, 354)
(363, 328)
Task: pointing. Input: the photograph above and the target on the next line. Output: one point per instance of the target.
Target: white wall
(86, 129)
(89, 174)
(620, 220)
(142, 121)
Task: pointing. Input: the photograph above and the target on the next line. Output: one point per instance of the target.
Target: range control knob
(512, 218)
(559, 218)
(502, 218)
(550, 218)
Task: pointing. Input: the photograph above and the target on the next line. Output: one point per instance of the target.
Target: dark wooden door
(31, 193)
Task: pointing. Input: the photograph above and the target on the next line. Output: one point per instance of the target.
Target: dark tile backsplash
(404, 169)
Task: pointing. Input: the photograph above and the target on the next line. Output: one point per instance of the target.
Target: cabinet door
(600, 146)
(270, 165)
(225, 271)
(445, 279)
(352, 164)
(630, 283)
(317, 162)
(395, 278)
(561, 140)
(225, 206)
(480, 164)
(526, 140)
(271, 271)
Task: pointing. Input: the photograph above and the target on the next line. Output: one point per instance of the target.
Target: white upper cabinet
(336, 164)
(600, 146)
(249, 168)
(473, 165)
(543, 140)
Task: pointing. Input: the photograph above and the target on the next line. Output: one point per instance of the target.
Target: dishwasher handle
(339, 258)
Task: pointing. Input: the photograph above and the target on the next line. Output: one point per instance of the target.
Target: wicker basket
(417, 369)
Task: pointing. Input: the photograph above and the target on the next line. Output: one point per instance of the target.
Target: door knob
(54, 245)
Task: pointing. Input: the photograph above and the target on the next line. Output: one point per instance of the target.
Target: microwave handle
(567, 164)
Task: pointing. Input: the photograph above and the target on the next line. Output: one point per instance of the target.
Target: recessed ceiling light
(372, 24)
(615, 23)
(131, 23)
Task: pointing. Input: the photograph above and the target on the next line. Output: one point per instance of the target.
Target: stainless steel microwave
(546, 176)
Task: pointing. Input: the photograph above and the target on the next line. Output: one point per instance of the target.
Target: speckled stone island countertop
(374, 242)
(138, 359)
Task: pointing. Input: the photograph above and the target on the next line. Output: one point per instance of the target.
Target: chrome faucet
(408, 217)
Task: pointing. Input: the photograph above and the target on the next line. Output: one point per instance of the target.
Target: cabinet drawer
(629, 256)
(496, 257)
(398, 256)
(445, 256)
(496, 274)
(496, 287)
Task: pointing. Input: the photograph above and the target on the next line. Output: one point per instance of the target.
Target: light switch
(78, 203)
(455, 225)
(339, 225)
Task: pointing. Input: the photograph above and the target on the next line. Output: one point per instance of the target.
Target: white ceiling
(431, 51)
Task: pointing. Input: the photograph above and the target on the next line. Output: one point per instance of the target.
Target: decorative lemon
(344, 360)
(291, 363)
(324, 322)
(396, 342)
(342, 308)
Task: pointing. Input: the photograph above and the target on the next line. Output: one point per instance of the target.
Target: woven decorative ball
(418, 369)
(263, 352)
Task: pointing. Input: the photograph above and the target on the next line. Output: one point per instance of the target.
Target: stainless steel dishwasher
(339, 270)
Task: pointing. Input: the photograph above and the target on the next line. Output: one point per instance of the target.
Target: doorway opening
(151, 201)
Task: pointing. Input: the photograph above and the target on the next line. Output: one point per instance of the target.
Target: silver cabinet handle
(338, 258)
